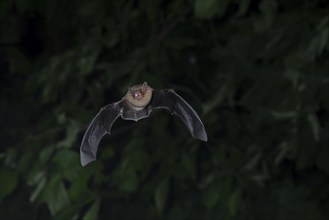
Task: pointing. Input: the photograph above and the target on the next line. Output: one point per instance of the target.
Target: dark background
(256, 71)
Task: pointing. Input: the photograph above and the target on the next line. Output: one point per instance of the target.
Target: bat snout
(138, 95)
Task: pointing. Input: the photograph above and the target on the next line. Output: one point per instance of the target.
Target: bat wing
(99, 126)
(170, 100)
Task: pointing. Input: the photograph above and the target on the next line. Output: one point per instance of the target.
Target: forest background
(256, 71)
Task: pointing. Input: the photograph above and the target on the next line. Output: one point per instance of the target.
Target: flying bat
(138, 103)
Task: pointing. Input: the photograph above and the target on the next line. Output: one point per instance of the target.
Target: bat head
(139, 95)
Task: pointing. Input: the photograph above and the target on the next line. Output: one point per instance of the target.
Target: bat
(137, 104)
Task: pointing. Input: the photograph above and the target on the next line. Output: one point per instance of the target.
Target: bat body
(138, 103)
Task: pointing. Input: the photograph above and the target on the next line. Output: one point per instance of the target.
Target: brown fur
(147, 95)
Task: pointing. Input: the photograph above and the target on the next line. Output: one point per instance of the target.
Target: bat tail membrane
(128, 113)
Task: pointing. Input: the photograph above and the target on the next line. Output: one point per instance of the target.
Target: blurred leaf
(72, 131)
(216, 99)
(66, 159)
(40, 186)
(129, 182)
(253, 162)
(177, 44)
(11, 34)
(211, 196)
(45, 154)
(323, 40)
(189, 161)
(315, 125)
(36, 178)
(161, 194)
(260, 68)
(86, 63)
(319, 41)
(19, 62)
(259, 179)
(8, 181)
(112, 40)
(293, 75)
(322, 160)
(11, 157)
(55, 195)
(207, 9)
(107, 153)
(284, 149)
(68, 164)
(151, 9)
(92, 213)
(243, 7)
(234, 202)
(4, 9)
(269, 9)
(79, 187)
(138, 158)
(292, 201)
(89, 8)
(25, 161)
(284, 115)
(207, 180)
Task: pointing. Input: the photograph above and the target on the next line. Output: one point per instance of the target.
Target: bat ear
(144, 87)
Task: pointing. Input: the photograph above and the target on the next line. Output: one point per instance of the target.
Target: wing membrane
(170, 100)
(100, 125)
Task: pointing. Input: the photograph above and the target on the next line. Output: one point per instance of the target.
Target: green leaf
(45, 154)
(66, 159)
(292, 200)
(72, 131)
(8, 182)
(92, 213)
(38, 189)
(5, 8)
(315, 125)
(25, 162)
(284, 115)
(268, 9)
(210, 178)
(216, 99)
(211, 196)
(161, 194)
(322, 160)
(206, 9)
(107, 153)
(323, 40)
(129, 182)
(284, 149)
(88, 8)
(253, 162)
(112, 40)
(189, 162)
(234, 202)
(243, 7)
(11, 157)
(177, 44)
(56, 195)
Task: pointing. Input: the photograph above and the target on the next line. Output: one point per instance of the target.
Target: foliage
(256, 71)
